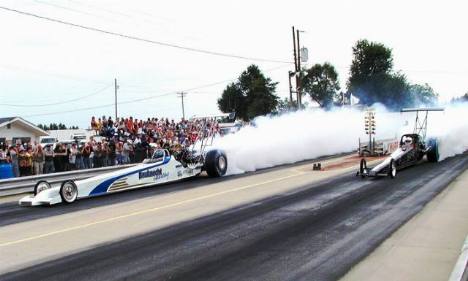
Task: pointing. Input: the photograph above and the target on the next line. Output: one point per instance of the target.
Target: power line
(65, 8)
(57, 103)
(143, 18)
(43, 72)
(207, 85)
(132, 37)
(109, 11)
(145, 98)
(91, 107)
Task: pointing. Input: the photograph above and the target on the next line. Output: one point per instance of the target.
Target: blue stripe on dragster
(104, 186)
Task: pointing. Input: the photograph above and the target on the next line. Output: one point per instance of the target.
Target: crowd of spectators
(153, 130)
(123, 141)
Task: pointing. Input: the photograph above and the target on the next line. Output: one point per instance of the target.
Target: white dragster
(161, 168)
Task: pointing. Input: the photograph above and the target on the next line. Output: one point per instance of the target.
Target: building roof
(8, 120)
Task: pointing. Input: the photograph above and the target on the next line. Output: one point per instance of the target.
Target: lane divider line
(136, 213)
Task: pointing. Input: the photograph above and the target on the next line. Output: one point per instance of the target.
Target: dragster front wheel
(392, 169)
(68, 191)
(362, 167)
(41, 186)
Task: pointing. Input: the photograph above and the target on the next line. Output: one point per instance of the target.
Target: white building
(16, 129)
(69, 134)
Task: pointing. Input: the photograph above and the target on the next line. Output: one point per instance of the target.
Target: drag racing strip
(12, 214)
(29, 242)
(315, 231)
(136, 213)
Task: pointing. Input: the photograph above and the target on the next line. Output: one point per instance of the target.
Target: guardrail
(460, 271)
(26, 184)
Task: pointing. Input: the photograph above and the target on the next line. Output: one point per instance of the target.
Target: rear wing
(420, 124)
(422, 109)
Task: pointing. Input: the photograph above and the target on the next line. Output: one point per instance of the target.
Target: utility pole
(299, 94)
(295, 64)
(290, 74)
(115, 101)
(182, 95)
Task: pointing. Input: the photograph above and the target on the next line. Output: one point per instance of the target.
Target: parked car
(47, 140)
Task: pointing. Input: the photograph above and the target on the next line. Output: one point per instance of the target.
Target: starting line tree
(369, 121)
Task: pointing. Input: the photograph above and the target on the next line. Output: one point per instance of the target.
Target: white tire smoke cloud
(308, 134)
(451, 130)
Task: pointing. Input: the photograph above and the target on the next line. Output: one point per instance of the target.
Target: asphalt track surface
(11, 213)
(317, 232)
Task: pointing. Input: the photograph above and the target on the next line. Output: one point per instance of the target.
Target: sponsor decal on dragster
(156, 174)
(103, 186)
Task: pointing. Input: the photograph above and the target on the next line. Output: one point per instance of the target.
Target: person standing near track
(73, 151)
(118, 152)
(79, 158)
(25, 161)
(94, 125)
(98, 156)
(13, 155)
(49, 160)
(38, 160)
(86, 152)
(3, 153)
(126, 152)
(112, 149)
(60, 154)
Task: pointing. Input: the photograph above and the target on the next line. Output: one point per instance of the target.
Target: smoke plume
(308, 134)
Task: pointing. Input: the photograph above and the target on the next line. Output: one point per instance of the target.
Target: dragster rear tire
(215, 163)
(433, 152)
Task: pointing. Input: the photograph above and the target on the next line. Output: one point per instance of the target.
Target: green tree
(394, 91)
(463, 98)
(252, 95)
(233, 100)
(423, 94)
(321, 83)
(53, 126)
(372, 78)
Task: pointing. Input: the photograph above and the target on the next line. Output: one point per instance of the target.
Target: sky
(51, 72)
